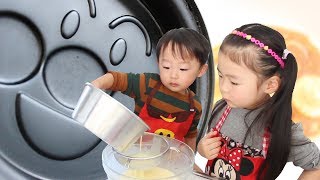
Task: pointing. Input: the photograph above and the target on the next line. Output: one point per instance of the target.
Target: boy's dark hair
(185, 39)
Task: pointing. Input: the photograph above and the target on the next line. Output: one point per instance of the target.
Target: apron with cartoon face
(235, 160)
(174, 125)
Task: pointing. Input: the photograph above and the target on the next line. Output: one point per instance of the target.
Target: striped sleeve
(193, 131)
(127, 83)
(120, 82)
(132, 85)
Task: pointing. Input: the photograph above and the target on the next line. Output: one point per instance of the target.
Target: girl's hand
(209, 146)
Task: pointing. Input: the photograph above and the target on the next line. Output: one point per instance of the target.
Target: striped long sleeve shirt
(139, 86)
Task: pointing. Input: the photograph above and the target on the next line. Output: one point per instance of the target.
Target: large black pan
(48, 50)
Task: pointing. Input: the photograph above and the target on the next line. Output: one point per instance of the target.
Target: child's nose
(224, 86)
(174, 74)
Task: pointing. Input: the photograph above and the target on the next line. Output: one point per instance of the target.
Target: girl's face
(239, 85)
(176, 73)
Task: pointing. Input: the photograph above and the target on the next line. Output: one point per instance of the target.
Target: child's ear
(203, 70)
(272, 85)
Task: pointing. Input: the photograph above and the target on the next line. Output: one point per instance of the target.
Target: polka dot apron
(235, 160)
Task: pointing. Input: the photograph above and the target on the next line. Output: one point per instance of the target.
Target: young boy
(164, 101)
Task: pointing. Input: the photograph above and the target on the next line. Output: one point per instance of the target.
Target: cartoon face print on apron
(235, 160)
(174, 125)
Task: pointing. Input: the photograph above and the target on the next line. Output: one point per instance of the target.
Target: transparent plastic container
(158, 158)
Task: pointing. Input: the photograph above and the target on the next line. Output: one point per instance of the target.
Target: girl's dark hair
(276, 113)
(187, 42)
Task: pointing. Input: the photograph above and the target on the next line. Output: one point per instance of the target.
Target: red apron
(235, 160)
(175, 125)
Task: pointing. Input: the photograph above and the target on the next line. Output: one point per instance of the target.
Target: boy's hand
(209, 146)
(103, 82)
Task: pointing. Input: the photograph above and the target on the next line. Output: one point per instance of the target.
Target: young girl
(251, 134)
(164, 101)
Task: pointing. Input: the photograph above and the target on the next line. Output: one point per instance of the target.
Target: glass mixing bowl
(153, 157)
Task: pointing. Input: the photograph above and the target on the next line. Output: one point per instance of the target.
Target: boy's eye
(183, 69)
(165, 67)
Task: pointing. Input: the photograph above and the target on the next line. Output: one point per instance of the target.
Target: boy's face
(176, 73)
(239, 85)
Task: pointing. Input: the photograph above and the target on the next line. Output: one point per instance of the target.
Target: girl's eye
(165, 67)
(220, 76)
(183, 69)
(233, 83)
